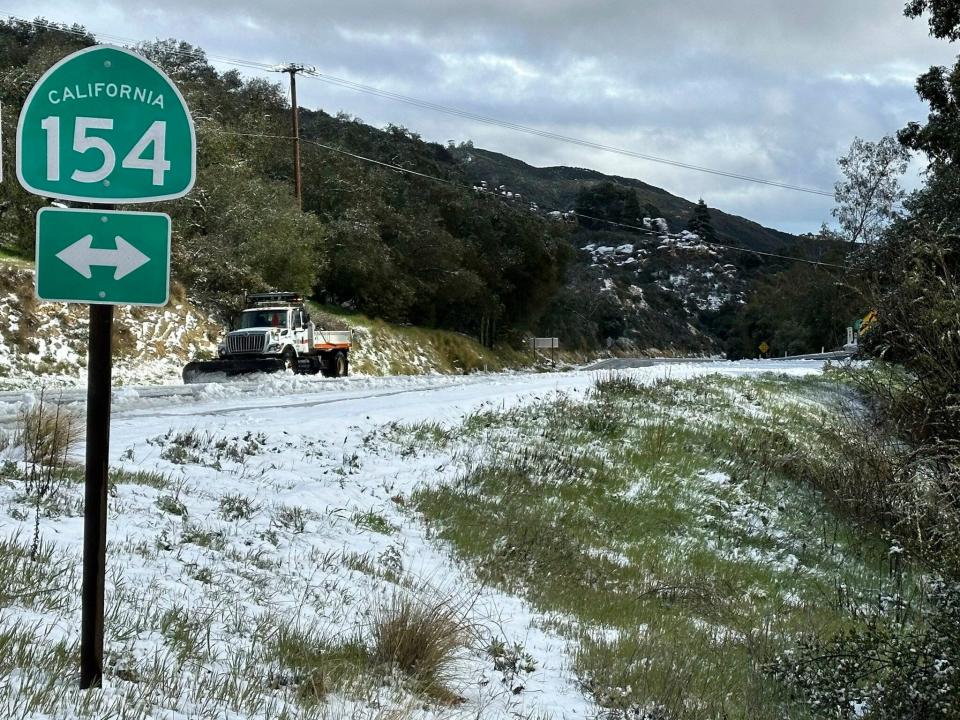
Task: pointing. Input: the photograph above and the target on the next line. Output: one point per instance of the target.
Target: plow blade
(196, 372)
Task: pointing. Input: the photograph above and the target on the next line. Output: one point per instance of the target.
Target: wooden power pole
(295, 114)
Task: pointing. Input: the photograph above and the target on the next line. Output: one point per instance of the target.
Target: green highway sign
(103, 257)
(104, 125)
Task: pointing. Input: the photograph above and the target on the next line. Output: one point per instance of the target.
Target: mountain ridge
(517, 175)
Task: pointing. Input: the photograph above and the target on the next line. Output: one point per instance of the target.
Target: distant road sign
(764, 347)
(545, 343)
(103, 257)
(105, 125)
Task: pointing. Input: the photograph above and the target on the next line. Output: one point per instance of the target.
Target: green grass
(373, 521)
(682, 534)
(8, 257)
(147, 478)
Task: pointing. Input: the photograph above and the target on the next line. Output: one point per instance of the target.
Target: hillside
(44, 345)
(557, 188)
(421, 248)
(652, 291)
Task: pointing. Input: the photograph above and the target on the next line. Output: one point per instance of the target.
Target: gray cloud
(771, 88)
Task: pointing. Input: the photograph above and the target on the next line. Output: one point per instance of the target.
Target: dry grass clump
(423, 638)
(47, 432)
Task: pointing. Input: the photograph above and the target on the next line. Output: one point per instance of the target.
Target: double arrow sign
(103, 266)
(82, 256)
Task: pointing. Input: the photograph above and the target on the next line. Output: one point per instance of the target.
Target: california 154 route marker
(103, 126)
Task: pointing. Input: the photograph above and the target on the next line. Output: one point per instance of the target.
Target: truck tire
(329, 368)
(290, 360)
(341, 363)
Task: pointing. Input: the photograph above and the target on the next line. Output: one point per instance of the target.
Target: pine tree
(700, 222)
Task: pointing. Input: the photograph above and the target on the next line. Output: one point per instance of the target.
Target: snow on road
(323, 408)
(318, 445)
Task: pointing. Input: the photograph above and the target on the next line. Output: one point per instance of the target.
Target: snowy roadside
(324, 535)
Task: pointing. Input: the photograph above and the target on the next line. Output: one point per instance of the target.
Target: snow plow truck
(274, 333)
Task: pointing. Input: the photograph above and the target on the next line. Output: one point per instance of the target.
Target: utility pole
(293, 69)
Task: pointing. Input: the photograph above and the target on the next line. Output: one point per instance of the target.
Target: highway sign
(106, 126)
(764, 347)
(103, 257)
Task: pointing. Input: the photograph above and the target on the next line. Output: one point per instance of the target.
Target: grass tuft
(423, 638)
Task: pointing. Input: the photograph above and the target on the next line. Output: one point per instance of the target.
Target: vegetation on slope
(682, 535)
(401, 248)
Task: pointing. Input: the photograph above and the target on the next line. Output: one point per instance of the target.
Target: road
(626, 363)
(324, 408)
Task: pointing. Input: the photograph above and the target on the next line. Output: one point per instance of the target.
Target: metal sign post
(99, 370)
(552, 343)
(133, 141)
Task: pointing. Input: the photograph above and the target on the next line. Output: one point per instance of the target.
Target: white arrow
(80, 256)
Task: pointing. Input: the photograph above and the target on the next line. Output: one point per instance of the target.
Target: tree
(652, 211)
(700, 222)
(606, 203)
(869, 195)
(944, 16)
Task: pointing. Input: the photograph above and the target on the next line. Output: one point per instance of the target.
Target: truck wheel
(290, 360)
(340, 364)
(329, 369)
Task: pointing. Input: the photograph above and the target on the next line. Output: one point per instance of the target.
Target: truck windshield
(263, 318)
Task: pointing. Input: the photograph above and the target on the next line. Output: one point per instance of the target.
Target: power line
(423, 103)
(426, 104)
(453, 183)
(465, 114)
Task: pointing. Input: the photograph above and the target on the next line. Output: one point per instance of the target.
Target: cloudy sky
(775, 89)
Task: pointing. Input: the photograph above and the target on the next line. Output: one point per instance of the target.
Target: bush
(890, 669)
(47, 433)
(914, 285)
(915, 290)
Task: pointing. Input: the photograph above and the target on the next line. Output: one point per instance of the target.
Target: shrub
(889, 669)
(47, 434)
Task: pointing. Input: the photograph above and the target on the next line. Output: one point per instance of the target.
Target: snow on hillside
(680, 264)
(47, 342)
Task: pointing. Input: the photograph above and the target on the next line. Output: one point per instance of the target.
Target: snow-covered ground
(318, 449)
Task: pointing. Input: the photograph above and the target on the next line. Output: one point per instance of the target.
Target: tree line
(407, 249)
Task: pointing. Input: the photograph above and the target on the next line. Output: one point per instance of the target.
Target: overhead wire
(408, 171)
(196, 54)
(465, 114)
